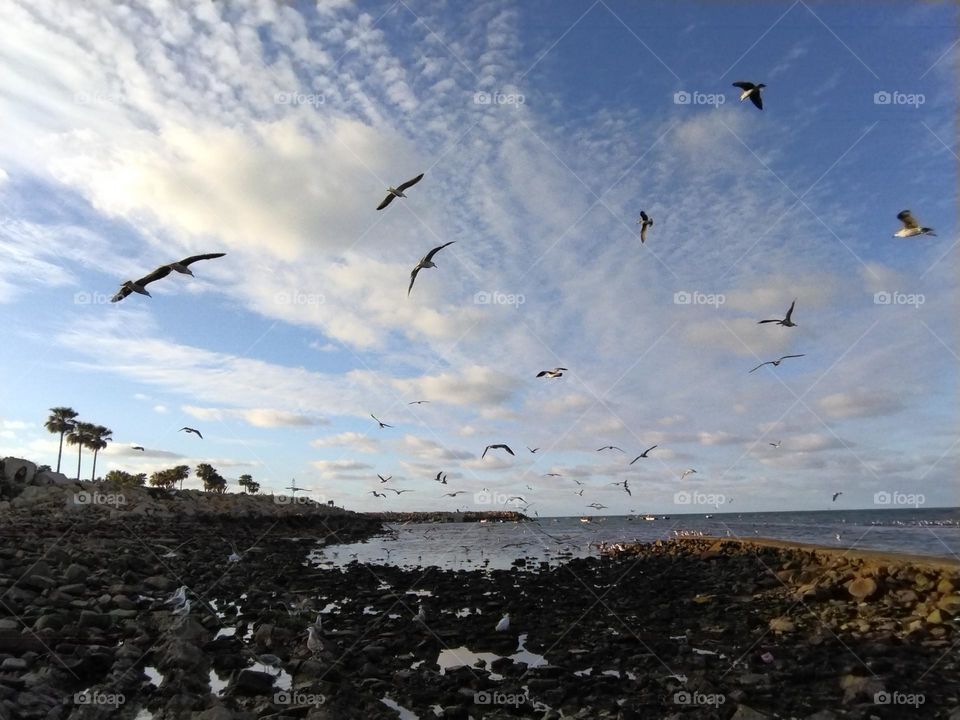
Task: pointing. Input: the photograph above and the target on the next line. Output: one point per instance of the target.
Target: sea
(933, 532)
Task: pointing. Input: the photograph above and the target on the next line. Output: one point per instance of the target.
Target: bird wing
(744, 85)
(643, 216)
(790, 311)
(635, 459)
(198, 434)
(413, 277)
(761, 322)
(121, 294)
(206, 256)
(909, 222)
(768, 362)
(386, 201)
(643, 233)
(539, 374)
(429, 255)
(485, 451)
(505, 447)
(410, 183)
(649, 449)
(792, 356)
(756, 99)
(160, 272)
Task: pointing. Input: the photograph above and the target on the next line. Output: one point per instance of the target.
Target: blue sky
(136, 136)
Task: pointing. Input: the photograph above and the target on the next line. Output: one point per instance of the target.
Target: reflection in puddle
(404, 713)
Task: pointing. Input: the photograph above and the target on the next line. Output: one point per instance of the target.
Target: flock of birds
(749, 91)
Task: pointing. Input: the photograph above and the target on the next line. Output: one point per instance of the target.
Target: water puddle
(217, 683)
(404, 713)
(153, 675)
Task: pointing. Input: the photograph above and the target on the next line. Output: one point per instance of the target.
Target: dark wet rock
(251, 682)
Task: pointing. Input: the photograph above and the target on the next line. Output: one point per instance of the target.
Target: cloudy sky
(137, 133)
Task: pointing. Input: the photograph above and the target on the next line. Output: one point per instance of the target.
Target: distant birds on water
(644, 222)
(751, 92)
(397, 192)
(787, 320)
(189, 430)
(776, 363)
(911, 228)
(426, 262)
(181, 266)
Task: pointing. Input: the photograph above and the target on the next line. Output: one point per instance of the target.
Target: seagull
(626, 486)
(318, 623)
(555, 373)
(418, 402)
(644, 222)
(314, 644)
(425, 262)
(576, 481)
(688, 471)
(751, 91)
(516, 497)
(179, 596)
(552, 475)
(504, 623)
(597, 506)
(776, 363)
(776, 444)
(437, 478)
(382, 424)
(786, 322)
(393, 192)
(421, 614)
(454, 494)
(189, 430)
(533, 450)
(183, 609)
(579, 492)
(643, 454)
(384, 479)
(609, 447)
(137, 447)
(139, 286)
(836, 495)
(377, 494)
(399, 492)
(499, 446)
(911, 227)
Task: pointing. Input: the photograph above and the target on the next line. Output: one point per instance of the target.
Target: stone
(13, 664)
(747, 713)
(252, 682)
(782, 625)
(75, 573)
(862, 587)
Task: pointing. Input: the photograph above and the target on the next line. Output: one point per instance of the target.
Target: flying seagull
(189, 430)
(499, 446)
(384, 479)
(688, 471)
(533, 450)
(597, 506)
(399, 492)
(910, 226)
(643, 454)
(425, 262)
(454, 494)
(836, 495)
(751, 91)
(137, 447)
(644, 222)
(609, 447)
(393, 192)
(555, 373)
(579, 492)
(379, 422)
(626, 486)
(377, 494)
(418, 402)
(776, 444)
(786, 322)
(552, 475)
(776, 363)
(181, 266)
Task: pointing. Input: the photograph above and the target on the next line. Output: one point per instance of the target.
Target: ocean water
(928, 531)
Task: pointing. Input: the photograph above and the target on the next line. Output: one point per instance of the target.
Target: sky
(139, 133)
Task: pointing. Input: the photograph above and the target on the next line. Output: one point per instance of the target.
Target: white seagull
(314, 644)
(555, 373)
(786, 322)
(393, 192)
(504, 623)
(425, 262)
(751, 91)
(688, 471)
(911, 227)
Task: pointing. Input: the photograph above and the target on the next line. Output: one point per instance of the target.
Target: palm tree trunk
(79, 450)
(60, 451)
(93, 473)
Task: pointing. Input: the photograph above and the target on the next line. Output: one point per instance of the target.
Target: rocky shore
(696, 628)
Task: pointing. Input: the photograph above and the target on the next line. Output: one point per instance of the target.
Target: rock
(782, 625)
(17, 471)
(53, 621)
(862, 587)
(8, 624)
(217, 712)
(51, 477)
(13, 664)
(76, 573)
(935, 618)
(949, 604)
(89, 618)
(252, 682)
(159, 582)
(747, 713)
(822, 715)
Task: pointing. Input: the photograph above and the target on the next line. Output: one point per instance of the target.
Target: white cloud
(860, 403)
(257, 417)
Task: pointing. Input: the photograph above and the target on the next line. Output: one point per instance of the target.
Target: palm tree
(80, 435)
(61, 421)
(99, 437)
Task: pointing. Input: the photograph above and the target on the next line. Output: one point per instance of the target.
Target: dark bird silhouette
(393, 192)
(418, 402)
(399, 492)
(776, 363)
(137, 447)
(378, 494)
(379, 422)
(425, 262)
(454, 494)
(911, 227)
(181, 266)
(555, 373)
(752, 92)
(499, 446)
(836, 495)
(609, 447)
(786, 322)
(643, 454)
(533, 450)
(644, 222)
(191, 430)
(384, 479)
